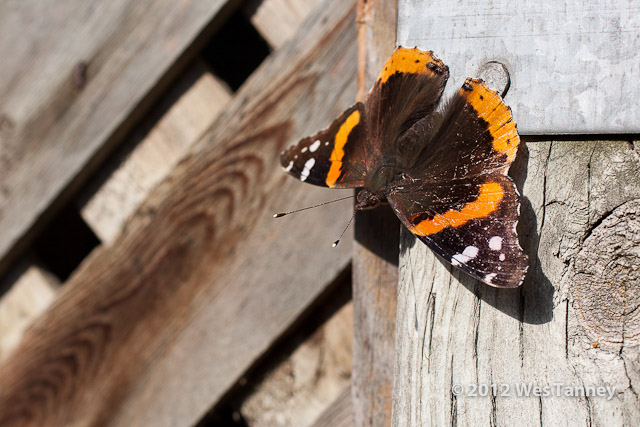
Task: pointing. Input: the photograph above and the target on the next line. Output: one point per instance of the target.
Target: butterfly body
(443, 173)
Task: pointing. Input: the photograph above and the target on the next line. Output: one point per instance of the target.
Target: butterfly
(443, 170)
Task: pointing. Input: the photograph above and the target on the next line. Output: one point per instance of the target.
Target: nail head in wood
(496, 76)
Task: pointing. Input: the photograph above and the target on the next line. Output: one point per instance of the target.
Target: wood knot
(606, 281)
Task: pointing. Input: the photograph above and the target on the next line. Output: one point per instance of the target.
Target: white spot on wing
(495, 243)
(502, 257)
(489, 277)
(307, 169)
(289, 166)
(304, 149)
(326, 143)
(470, 251)
(313, 147)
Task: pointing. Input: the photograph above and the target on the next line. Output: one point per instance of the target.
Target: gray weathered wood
(30, 295)
(306, 383)
(278, 20)
(143, 160)
(339, 414)
(580, 217)
(375, 259)
(154, 329)
(573, 63)
(75, 76)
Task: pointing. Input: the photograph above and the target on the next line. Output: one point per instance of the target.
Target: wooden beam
(30, 295)
(569, 59)
(561, 327)
(146, 158)
(77, 76)
(278, 20)
(303, 385)
(375, 264)
(339, 414)
(157, 327)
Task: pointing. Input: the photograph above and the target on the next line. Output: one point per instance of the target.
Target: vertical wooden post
(375, 261)
(563, 348)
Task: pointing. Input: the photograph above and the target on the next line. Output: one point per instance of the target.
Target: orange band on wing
(496, 113)
(338, 147)
(409, 61)
(488, 200)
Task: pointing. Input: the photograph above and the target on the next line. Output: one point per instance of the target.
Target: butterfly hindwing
(470, 222)
(333, 157)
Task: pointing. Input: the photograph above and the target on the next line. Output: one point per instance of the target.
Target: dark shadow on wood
(378, 230)
(226, 412)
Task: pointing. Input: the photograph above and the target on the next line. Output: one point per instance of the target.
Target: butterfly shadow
(530, 303)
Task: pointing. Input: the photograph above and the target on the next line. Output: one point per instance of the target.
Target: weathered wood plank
(30, 295)
(570, 61)
(375, 262)
(196, 99)
(278, 20)
(191, 106)
(76, 76)
(300, 388)
(154, 329)
(339, 414)
(453, 330)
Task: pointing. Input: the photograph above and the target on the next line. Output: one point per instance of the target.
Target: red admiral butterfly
(443, 173)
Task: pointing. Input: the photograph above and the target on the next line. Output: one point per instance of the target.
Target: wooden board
(375, 256)
(302, 386)
(30, 295)
(339, 414)
(147, 157)
(278, 20)
(76, 75)
(156, 328)
(195, 101)
(571, 62)
(561, 327)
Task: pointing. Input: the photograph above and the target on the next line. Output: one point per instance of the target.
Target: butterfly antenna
(334, 244)
(281, 214)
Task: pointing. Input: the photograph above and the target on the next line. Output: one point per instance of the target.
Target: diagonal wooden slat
(156, 328)
(75, 76)
(339, 414)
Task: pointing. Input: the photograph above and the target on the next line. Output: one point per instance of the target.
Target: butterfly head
(368, 199)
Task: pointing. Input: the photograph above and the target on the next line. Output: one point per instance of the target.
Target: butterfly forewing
(476, 135)
(333, 157)
(406, 92)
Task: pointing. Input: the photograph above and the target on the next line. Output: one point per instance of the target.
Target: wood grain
(339, 414)
(301, 387)
(76, 76)
(278, 20)
(375, 259)
(570, 60)
(143, 160)
(156, 328)
(29, 296)
(454, 330)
